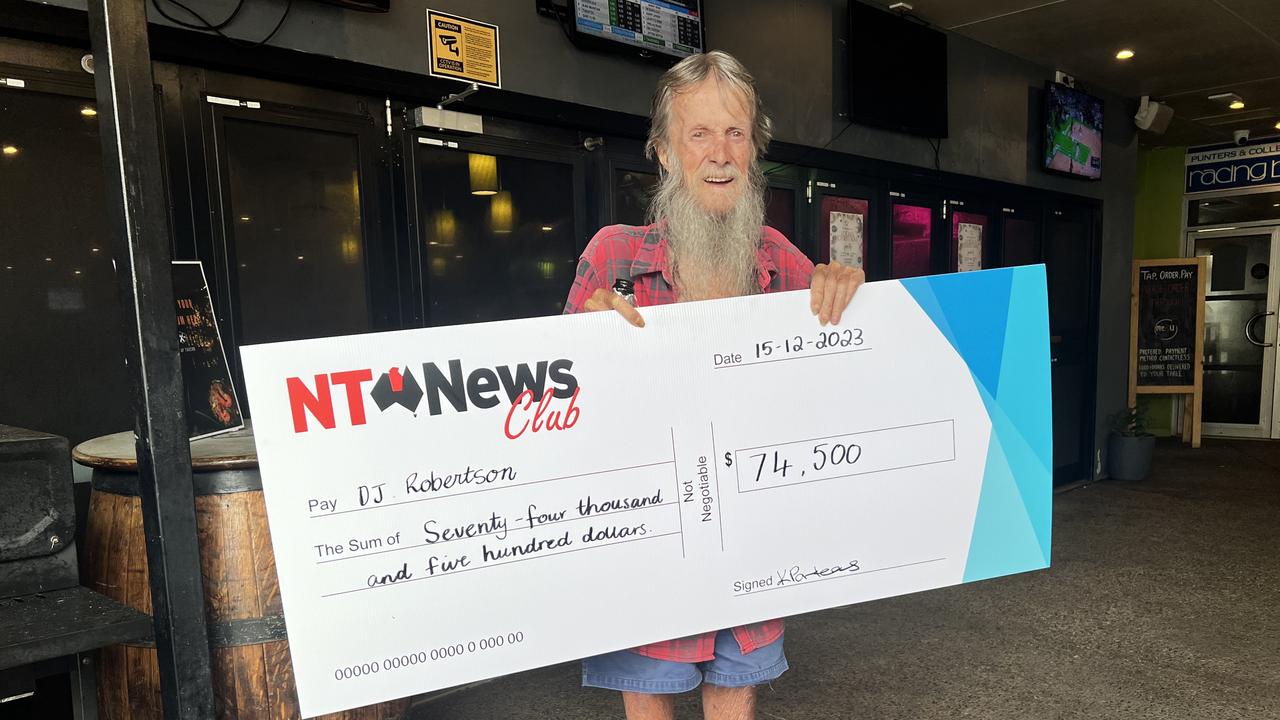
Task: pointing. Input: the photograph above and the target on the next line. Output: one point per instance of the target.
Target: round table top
(231, 451)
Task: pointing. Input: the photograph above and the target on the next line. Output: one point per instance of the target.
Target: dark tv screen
(897, 72)
(1072, 132)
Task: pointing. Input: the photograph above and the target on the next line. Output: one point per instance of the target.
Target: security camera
(1241, 136)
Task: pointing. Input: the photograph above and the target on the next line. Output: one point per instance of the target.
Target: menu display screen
(669, 27)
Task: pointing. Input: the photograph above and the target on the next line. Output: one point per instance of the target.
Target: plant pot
(1129, 456)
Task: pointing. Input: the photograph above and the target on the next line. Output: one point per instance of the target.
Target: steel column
(141, 251)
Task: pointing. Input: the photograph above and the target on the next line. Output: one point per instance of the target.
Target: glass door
(1019, 237)
(914, 235)
(1069, 253)
(500, 226)
(61, 328)
(1240, 331)
(969, 231)
(299, 249)
(845, 224)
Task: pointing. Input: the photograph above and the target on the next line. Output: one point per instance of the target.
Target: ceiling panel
(951, 14)
(1259, 13)
(1186, 50)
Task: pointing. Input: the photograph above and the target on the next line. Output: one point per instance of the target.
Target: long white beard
(712, 256)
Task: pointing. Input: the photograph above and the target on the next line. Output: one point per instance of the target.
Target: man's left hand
(831, 289)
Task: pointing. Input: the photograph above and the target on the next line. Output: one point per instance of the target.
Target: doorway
(1240, 330)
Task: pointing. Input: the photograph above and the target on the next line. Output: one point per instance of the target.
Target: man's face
(710, 138)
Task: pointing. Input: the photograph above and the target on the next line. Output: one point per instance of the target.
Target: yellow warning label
(463, 49)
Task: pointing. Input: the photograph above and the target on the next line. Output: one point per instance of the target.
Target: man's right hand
(606, 299)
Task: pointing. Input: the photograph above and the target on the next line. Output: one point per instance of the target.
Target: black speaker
(37, 513)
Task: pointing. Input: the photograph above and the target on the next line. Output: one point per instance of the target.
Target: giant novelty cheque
(455, 503)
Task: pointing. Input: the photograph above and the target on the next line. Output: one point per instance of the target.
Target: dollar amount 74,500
(826, 458)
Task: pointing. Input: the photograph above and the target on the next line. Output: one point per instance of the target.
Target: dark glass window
(1237, 208)
(499, 235)
(780, 212)
(296, 231)
(912, 232)
(1020, 243)
(1067, 261)
(631, 192)
(61, 337)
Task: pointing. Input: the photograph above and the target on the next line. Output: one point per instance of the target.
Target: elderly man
(707, 240)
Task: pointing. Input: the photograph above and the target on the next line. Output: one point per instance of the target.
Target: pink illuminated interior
(911, 232)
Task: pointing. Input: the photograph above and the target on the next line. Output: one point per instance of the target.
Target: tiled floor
(1163, 602)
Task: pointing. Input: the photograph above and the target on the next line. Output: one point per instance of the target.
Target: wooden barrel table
(252, 670)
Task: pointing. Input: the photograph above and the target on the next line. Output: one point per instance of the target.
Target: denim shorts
(631, 672)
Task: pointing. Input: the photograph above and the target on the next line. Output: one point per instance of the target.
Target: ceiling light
(88, 111)
(77, 272)
(10, 150)
(1124, 54)
(1278, 125)
(48, 259)
(483, 170)
(501, 212)
(1234, 101)
(96, 249)
(246, 218)
(302, 257)
(546, 228)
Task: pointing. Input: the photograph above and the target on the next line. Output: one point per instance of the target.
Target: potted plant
(1129, 447)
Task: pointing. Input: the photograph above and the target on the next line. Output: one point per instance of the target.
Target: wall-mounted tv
(897, 72)
(1072, 132)
(666, 30)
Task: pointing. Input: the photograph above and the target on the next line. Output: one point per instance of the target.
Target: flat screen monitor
(1072, 132)
(665, 29)
(897, 72)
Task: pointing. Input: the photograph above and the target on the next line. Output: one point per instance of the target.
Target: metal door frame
(1090, 213)
(381, 284)
(1268, 426)
(417, 140)
(821, 183)
(920, 195)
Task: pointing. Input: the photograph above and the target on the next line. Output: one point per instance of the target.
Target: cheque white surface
(731, 462)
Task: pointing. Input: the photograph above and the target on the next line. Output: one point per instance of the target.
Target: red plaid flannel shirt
(639, 253)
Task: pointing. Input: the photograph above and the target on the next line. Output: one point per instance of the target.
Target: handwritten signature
(795, 574)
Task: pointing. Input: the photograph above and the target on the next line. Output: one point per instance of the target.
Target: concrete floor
(1163, 602)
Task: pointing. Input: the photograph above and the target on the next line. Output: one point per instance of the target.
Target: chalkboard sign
(1168, 302)
(211, 401)
(1166, 343)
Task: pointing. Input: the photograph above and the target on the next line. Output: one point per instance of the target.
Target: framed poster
(212, 407)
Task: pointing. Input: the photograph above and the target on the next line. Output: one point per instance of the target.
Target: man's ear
(662, 156)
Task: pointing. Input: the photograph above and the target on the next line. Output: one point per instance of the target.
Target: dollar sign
(728, 459)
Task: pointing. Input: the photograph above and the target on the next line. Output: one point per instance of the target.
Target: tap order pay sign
(456, 503)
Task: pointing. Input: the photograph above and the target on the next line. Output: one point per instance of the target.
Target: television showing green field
(1072, 132)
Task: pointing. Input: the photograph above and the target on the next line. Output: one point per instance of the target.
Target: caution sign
(463, 49)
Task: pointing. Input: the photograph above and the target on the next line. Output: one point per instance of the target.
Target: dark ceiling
(1185, 51)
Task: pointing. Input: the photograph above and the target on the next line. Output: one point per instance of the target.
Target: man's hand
(831, 289)
(606, 299)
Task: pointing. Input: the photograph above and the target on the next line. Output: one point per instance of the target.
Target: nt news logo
(530, 391)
